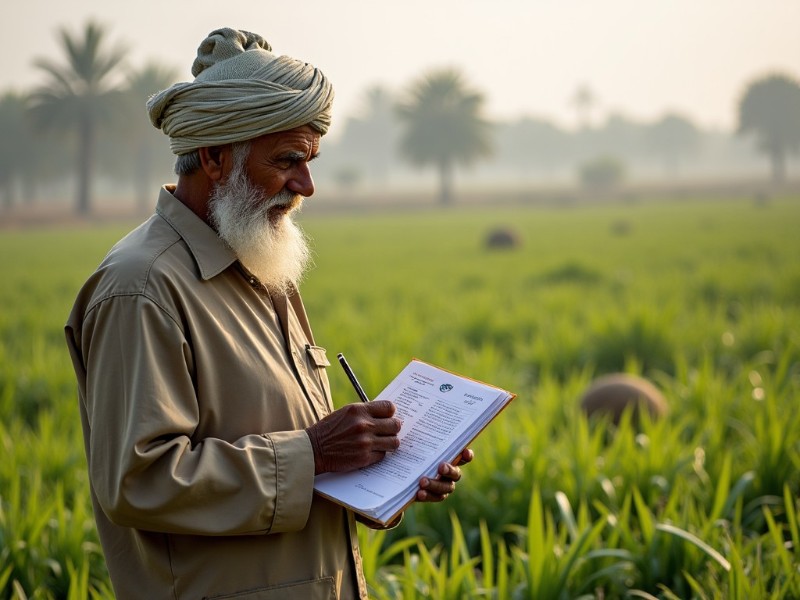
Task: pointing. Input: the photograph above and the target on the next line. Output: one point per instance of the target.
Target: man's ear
(214, 161)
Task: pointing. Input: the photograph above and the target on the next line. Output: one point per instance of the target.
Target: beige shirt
(195, 387)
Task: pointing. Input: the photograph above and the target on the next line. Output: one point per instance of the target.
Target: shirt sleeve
(146, 468)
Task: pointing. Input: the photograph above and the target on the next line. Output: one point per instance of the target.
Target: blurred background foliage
(90, 106)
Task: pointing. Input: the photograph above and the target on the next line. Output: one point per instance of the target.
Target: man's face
(251, 207)
(280, 161)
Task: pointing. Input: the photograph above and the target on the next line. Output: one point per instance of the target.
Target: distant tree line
(87, 118)
(529, 149)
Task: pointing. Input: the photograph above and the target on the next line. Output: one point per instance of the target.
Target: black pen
(352, 377)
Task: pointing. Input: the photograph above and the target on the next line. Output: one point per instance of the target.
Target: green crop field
(702, 297)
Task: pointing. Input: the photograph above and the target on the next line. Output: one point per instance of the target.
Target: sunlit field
(700, 296)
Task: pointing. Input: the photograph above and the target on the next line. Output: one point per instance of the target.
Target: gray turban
(241, 91)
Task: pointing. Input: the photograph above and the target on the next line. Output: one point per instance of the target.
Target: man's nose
(301, 181)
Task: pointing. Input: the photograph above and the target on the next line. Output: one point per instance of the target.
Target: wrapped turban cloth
(241, 91)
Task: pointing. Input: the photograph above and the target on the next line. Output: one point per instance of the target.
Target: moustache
(284, 202)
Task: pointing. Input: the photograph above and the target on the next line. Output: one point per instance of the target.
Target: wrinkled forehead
(299, 142)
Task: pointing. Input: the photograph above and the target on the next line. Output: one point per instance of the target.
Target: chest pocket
(309, 360)
(318, 361)
(318, 356)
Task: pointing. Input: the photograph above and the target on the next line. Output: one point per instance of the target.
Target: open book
(442, 413)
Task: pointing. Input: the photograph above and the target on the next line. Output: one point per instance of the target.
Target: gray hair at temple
(241, 91)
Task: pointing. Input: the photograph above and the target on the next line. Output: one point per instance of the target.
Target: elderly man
(205, 405)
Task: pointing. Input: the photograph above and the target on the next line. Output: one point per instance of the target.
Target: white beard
(260, 230)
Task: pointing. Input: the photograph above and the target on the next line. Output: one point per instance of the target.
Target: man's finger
(440, 487)
(388, 426)
(380, 408)
(386, 443)
(449, 471)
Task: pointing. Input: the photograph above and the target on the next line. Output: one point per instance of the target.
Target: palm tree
(444, 125)
(770, 109)
(532, 145)
(584, 100)
(151, 147)
(79, 96)
(15, 143)
(28, 158)
(369, 139)
(379, 130)
(672, 138)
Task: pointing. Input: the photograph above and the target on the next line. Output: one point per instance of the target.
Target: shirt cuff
(294, 474)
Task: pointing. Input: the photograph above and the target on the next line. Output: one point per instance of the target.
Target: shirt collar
(210, 253)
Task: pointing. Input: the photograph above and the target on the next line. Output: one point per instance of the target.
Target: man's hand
(436, 490)
(354, 436)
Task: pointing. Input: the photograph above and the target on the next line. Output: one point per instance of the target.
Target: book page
(428, 426)
(438, 410)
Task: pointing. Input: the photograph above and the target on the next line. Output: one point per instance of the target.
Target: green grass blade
(693, 539)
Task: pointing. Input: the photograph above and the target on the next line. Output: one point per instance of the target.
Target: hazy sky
(640, 57)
